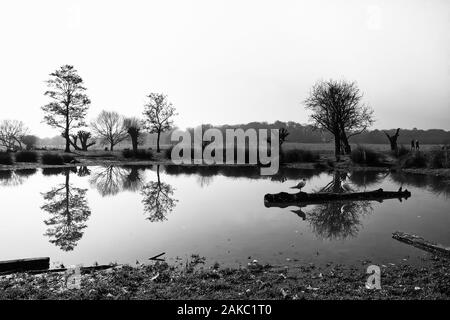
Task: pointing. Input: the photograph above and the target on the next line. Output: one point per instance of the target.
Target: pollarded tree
(85, 140)
(12, 133)
(134, 130)
(158, 114)
(109, 127)
(69, 104)
(393, 139)
(336, 107)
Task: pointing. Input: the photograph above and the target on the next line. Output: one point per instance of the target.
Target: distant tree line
(304, 133)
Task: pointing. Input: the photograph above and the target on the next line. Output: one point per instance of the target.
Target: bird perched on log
(401, 189)
(300, 185)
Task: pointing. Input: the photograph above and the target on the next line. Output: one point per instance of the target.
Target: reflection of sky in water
(217, 214)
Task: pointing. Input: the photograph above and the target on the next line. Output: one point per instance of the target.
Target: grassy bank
(161, 281)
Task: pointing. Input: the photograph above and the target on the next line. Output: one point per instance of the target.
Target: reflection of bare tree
(15, 178)
(108, 180)
(133, 181)
(10, 179)
(435, 184)
(69, 211)
(367, 178)
(338, 219)
(111, 180)
(204, 181)
(335, 186)
(84, 171)
(158, 199)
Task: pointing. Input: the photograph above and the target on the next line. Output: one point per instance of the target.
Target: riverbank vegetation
(193, 280)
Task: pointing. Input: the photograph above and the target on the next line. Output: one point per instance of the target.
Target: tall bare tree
(134, 130)
(69, 103)
(158, 114)
(336, 107)
(12, 133)
(109, 127)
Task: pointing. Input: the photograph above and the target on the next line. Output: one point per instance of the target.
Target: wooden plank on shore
(83, 270)
(25, 264)
(287, 199)
(421, 243)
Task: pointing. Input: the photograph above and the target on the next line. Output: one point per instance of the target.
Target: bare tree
(110, 128)
(336, 107)
(12, 133)
(158, 114)
(134, 130)
(69, 102)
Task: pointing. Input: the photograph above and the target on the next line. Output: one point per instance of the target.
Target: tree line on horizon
(337, 114)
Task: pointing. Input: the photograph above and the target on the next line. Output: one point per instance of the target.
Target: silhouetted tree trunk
(337, 146)
(157, 143)
(393, 139)
(134, 143)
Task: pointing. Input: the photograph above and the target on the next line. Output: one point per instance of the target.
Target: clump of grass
(401, 152)
(417, 160)
(26, 172)
(366, 156)
(139, 154)
(168, 153)
(297, 155)
(6, 158)
(52, 159)
(127, 153)
(26, 156)
(52, 171)
(439, 160)
(67, 158)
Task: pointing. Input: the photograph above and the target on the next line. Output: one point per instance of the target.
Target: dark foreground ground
(193, 281)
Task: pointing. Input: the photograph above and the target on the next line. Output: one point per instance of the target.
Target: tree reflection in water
(158, 199)
(69, 211)
(435, 184)
(338, 219)
(15, 178)
(111, 180)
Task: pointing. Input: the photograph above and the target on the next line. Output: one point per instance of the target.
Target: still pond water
(128, 214)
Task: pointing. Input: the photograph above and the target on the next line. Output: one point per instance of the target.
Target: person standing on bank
(417, 145)
(413, 146)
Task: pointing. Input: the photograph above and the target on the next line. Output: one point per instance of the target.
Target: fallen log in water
(421, 243)
(284, 199)
(24, 264)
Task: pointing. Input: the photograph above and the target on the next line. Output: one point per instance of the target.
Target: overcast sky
(229, 61)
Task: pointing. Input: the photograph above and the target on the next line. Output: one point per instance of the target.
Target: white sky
(229, 61)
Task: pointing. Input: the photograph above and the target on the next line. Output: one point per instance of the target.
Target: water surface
(128, 214)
